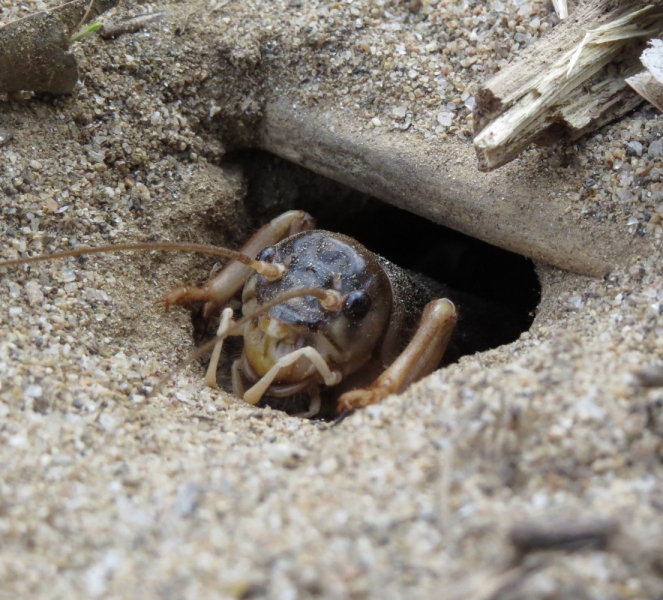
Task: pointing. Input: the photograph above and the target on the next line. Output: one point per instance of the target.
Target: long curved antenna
(322, 295)
(270, 270)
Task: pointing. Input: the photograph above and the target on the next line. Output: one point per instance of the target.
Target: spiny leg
(254, 394)
(421, 357)
(219, 290)
(224, 325)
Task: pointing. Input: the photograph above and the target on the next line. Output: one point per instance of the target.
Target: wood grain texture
(537, 99)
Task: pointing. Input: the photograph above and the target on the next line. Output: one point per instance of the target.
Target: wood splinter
(649, 83)
(567, 84)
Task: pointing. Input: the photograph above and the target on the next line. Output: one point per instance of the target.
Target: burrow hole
(500, 288)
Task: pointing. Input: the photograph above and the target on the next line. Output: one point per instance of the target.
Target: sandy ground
(192, 494)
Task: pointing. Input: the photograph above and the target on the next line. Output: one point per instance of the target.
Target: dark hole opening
(497, 291)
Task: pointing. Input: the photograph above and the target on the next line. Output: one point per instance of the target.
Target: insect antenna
(328, 298)
(271, 271)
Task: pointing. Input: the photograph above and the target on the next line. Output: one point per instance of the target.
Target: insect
(322, 316)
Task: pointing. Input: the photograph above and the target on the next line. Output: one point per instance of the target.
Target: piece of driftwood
(566, 84)
(34, 51)
(438, 180)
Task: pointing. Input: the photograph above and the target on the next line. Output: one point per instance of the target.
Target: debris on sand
(34, 51)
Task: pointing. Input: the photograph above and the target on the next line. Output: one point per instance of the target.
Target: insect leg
(219, 290)
(314, 406)
(421, 357)
(226, 322)
(236, 377)
(253, 395)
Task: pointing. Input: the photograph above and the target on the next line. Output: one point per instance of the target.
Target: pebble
(655, 149)
(34, 391)
(399, 112)
(575, 302)
(141, 191)
(34, 293)
(6, 135)
(445, 119)
(14, 290)
(637, 148)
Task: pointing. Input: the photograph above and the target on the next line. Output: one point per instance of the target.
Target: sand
(193, 494)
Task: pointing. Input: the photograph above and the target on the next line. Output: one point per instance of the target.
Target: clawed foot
(351, 401)
(186, 296)
(354, 399)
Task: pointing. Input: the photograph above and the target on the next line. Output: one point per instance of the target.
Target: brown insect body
(305, 345)
(389, 306)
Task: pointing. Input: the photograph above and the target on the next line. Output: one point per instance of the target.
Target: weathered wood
(439, 181)
(561, 8)
(647, 86)
(539, 99)
(34, 51)
(649, 83)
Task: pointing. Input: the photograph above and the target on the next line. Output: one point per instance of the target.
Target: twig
(568, 536)
(113, 30)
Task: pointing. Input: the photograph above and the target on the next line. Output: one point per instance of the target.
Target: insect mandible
(322, 316)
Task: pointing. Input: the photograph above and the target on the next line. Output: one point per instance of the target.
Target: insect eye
(267, 254)
(357, 305)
